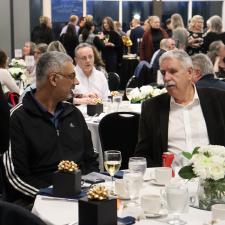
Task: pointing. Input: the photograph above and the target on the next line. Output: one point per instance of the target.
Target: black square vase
(94, 109)
(96, 212)
(66, 184)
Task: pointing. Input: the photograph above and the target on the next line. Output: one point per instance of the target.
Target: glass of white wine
(112, 162)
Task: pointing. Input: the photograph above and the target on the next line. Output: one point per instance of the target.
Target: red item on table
(167, 160)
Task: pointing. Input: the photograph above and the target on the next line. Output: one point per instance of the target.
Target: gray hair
(56, 46)
(215, 24)
(203, 62)
(214, 47)
(51, 62)
(82, 45)
(180, 55)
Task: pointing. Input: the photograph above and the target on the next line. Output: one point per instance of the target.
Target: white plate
(155, 182)
(155, 215)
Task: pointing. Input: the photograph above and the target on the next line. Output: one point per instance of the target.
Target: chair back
(11, 214)
(113, 81)
(119, 131)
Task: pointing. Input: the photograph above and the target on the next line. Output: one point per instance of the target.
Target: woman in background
(214, 32)
(70, 40)
(56, 46)
(28, 48)
(8, 83)
(195, 38)
(113, 51)
(179, 32)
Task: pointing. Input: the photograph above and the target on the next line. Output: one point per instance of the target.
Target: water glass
(176, 195)
(134, 183)
(137, 164)
(117, 101)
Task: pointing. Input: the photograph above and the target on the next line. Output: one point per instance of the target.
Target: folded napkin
(49, 192)
(128, 220)
(119, 174)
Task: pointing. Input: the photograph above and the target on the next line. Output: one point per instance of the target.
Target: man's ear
(190, 73)
(52, 79)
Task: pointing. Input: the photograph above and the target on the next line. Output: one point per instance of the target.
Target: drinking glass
(106, 38)
(117, 101)
(176, 195)
(137, 164)
(112, 162)
(128, 93)
(134, 183)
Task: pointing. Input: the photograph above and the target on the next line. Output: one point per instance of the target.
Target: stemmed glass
(176, 195)
(112, 162)
(137, 164)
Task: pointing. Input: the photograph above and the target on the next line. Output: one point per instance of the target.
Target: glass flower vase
(211, 192)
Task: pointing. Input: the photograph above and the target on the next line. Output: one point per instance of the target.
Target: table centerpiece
(207, 163)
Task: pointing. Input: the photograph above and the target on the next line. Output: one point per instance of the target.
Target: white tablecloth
(63, 212)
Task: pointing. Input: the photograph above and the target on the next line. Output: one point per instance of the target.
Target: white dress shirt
(96, 82)
(187, 128)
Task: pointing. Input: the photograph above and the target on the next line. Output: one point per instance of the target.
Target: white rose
(156, 92)
(146, 90)
(216, 172)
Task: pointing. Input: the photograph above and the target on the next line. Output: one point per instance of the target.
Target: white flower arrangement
(17, 69)
(207, 162)
(19, 63)
(145, 92)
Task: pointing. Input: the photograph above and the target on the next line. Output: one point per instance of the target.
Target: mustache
(169, 83)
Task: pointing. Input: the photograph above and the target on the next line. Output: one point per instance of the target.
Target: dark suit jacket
(153, 128)
(136, 33)
(208, 81)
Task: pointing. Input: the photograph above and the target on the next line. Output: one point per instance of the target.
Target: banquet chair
(11, 214)
(113, 81)
(119, 131)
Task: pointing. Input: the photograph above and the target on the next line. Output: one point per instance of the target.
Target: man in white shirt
(183, 118)
(93, 83)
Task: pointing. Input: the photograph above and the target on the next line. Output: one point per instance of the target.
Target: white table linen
(61, 212)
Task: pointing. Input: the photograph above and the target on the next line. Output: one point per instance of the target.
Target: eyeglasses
(70, 76)
(85, 58)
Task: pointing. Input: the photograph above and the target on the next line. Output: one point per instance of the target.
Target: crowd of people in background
(84, 55)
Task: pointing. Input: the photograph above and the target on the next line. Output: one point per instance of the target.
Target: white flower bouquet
(17, 69)
(138, 95)
(207, 163)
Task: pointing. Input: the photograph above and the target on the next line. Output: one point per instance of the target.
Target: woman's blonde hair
(193, 20)
(44, 20)
(177, 21)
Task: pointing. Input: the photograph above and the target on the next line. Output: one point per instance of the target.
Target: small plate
(155, 182)
(155, 215)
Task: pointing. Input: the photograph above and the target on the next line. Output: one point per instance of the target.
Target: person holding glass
(112, 53)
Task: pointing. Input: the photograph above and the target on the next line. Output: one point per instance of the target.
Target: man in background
(204, 76)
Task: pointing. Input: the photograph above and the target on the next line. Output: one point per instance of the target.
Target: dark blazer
(208, 81)
(153, 128)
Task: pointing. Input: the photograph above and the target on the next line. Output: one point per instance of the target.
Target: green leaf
(186, 172)
(187, 155)
(195, 151)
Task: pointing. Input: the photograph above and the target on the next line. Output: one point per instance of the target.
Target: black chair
(113, 81)
(119, 131)
(11, 214)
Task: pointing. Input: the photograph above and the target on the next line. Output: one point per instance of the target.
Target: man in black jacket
(183, 118)
(45, 130)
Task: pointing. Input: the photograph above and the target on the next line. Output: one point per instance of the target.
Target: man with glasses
(92, 82)
(45, 130)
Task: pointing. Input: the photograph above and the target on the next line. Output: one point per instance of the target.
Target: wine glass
(134, 181)
(137, 164)
(176, 195)
(117, 101)
(112, 162)
(106, 38)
